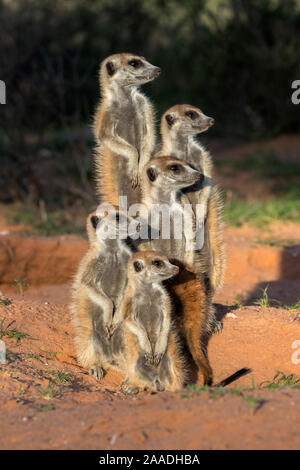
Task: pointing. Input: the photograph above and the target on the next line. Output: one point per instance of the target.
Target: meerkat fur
(153, 356)
(123, 127)
(179, 127)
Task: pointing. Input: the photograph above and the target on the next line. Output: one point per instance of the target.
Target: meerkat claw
(128, 389)
(97, 372)
(149, 358)
(135, 181)
(156, 359)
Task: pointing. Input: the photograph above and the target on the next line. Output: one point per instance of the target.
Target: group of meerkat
(144, 306)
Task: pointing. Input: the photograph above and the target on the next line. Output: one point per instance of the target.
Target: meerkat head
(147, 267)
(185, 119)
(109, 223)
(127, 70)
(170, 173)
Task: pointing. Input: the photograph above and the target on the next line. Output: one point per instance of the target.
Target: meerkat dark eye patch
(135, 63)
(137, 266)
(94, 221)
(158, 263)
(151, 173)
(110, 68)
(175, 168)
(170, 119)
(192, 114)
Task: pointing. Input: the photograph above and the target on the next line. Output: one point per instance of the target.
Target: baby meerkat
(179, 127)
(163, 180)
(123, 127)
(99, 287)
(154, 360)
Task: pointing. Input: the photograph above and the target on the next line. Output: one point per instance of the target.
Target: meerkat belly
(149, 314)
(129, 129)
(124, 183)
(96, 314)
(114, 279)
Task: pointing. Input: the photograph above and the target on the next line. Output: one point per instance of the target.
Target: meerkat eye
(191, 114)
(158, 263)
(94, 221)
(135, 63)
(175, 168)
(117, 217)
(137, 266)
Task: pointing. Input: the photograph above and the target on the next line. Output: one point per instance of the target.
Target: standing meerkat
(163, 180)
(179, 127)
(123, 127)
(98, 290)
(154, 359)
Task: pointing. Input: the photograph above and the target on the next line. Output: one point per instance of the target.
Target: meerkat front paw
(112, 328)
(149, 358)
(97, 372)
(157, 358)
(129, 389)
(135, 180)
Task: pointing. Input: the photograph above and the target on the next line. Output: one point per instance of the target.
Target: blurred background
(235, 59)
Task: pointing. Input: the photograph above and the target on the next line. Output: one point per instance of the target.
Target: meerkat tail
(233, 377)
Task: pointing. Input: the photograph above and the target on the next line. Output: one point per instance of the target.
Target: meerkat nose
(211, 121)
(158, 71)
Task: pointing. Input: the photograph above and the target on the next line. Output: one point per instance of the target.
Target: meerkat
(163, 180)
(179, 127)
(123, 127)
(154, 359)
(98, 290)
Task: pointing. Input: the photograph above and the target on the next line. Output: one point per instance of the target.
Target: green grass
(45, 408)
(281, 380)
(21, 286)
(60, 376)
(12, 332)
(264, 301)
(5, 302)
(50, 355)
(50, 221)
(295, 306)
(192, 391)
(50, 392)
(258, 213)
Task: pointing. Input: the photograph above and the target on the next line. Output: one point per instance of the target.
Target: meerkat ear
(170, 119)
(94, 221)
(110, 68)
(138, 266)
(151, 173)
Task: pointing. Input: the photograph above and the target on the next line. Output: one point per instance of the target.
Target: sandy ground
(44, 409)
